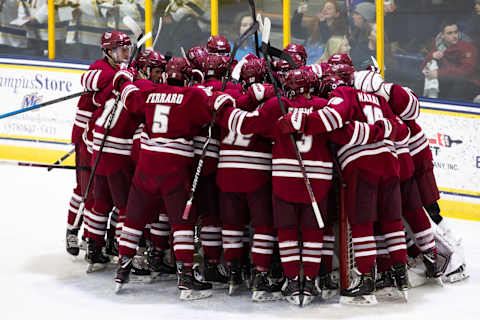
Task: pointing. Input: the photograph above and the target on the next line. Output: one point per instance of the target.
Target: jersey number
(160, 118)
(372, 113)
(107, 110)
(237, 139)
(305, 143)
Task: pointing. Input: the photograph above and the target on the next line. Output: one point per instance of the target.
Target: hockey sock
(160, 232)
(328, 246)
(183, 244)
(211, 238)
(364, 246)
(262, 247)
(232, 242)
(73, 209)
(312, 243)
(394, 237)
(289, 251)
(129, 240)
(96, 225)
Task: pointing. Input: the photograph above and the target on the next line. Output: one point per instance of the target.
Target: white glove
(370, 81)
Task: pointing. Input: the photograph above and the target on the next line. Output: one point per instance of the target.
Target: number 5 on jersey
(160, 118)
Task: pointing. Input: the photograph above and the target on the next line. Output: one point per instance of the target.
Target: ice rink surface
(38, 280)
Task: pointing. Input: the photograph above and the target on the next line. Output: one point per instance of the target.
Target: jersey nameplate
(165, 98)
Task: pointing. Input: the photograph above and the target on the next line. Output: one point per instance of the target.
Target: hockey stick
(65, 156)
(265, 39)
(158, 33)
(237, 45)
(251, 3)
(43, 104)
(140, 42)
(40, 165)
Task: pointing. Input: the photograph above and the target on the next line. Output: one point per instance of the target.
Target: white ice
(38, 280)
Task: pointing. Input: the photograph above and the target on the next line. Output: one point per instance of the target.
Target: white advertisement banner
(454, 136)
(22, 86)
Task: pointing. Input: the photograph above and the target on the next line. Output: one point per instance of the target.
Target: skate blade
(94, 267)
(118, 287)
(307, 300)
(294, 300)
(219, 285)
(140, 279)
(232, 289)
(163, 276)
(328, 294)
(264, 296)
(457, 277)
(189, 295)
(387, 293)
(366, 300)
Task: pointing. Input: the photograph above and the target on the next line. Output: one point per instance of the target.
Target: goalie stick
(158, 33)
(65, 156)
(247, 34)
(265, 45)
(43, 104)
(140, 42)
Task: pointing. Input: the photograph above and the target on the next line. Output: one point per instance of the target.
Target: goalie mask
(218, 45)
(116, 47)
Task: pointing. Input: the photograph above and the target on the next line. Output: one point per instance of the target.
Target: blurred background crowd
(430, 45)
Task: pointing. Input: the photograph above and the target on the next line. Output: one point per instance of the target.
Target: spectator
(185, 26)
(242, 22)
(363, 15)
(330, 20)
(472, 28)
(449, 66)
(13, 39)
(336, 44)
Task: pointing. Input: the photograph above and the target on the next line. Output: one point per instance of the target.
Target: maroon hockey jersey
(98, 76)
(348, 104)
(287, 178)
(172, 116)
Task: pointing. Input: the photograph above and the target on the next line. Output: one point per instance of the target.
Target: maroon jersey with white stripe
(211, 156)
(288, 183)
(172, 116)
(418, 144)
(245, 162)
(403, 101)
(348, 104)
(99, 76)
(116, 153)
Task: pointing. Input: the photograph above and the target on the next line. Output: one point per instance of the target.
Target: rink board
(43, 135)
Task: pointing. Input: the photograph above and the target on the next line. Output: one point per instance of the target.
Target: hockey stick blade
(158, 33)
(267, 25)
(143, 39)
(375, 64)
(133, 26)
(275, 52)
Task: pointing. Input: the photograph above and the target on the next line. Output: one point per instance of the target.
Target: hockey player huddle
(252, 221)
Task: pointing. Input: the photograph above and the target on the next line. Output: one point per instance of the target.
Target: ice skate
(262, 290)
(327, 286)
(95, 257)
(71, 242)
(400, 275)
(190, 288)
(291, 291)
(310, 290)
(385, 286)
(458, 274)
(361, 291)
(160, 270)
(216, 274)
(234, 277)
(433, 272)
(125, 265)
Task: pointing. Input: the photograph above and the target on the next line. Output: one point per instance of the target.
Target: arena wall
(43, 135)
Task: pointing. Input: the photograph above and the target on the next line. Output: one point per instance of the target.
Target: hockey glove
(219, 100)
(292, 122)
(387, 127)
(260, 92)
(123, 75)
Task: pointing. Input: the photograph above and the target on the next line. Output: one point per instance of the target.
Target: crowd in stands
(430, 45)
